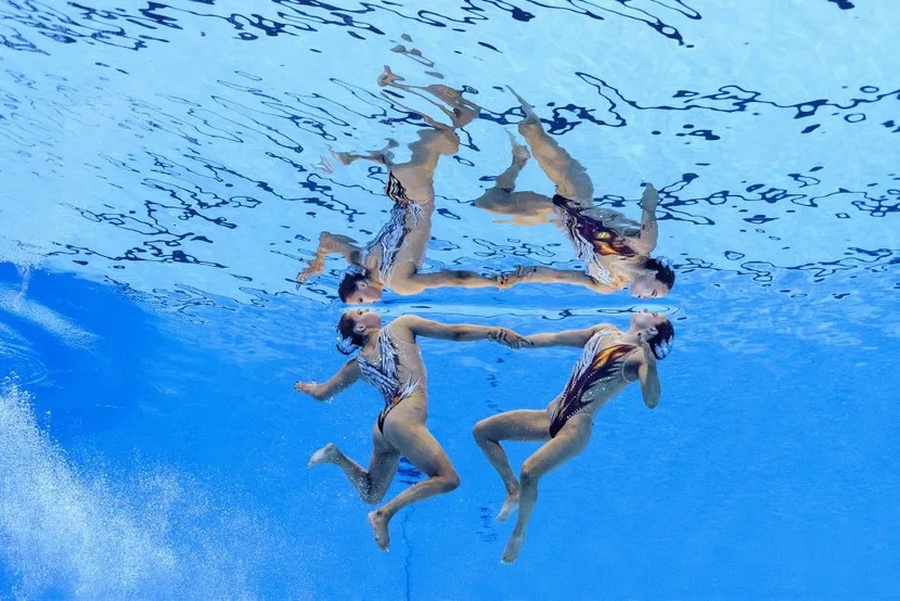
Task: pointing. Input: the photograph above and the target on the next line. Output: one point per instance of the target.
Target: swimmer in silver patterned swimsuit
(389, 359)
(610, 361)
(393, 259)
(615, 250)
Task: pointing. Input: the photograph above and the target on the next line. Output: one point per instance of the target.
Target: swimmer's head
(354, 328)
(357, 287)
(656, 330)
(656, 279)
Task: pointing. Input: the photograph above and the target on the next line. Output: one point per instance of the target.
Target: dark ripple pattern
(173, 192)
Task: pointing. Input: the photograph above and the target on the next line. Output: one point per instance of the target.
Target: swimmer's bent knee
(449, 482)
(479, 430)
(528, 475)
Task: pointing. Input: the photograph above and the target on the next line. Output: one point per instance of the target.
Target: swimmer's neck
(631, 335)
(371, 339)
(628, 267)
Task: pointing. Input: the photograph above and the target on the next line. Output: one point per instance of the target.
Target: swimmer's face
(647, 322)
(647, 286)
(364, 320)
(365, 294)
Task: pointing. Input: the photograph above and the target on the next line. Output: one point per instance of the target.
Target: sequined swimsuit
(384, 374)
(404, 218)
(599, 366)
(591, 238)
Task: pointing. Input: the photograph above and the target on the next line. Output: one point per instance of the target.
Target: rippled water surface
(167, 171)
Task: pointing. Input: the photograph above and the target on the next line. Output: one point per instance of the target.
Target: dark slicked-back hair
(661, 342)
(350, 283)
(664, 272)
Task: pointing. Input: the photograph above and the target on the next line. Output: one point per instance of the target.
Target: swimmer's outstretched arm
(461, 332)
(329, 244)
(418, 282)
(346, 376)
(649, 228)
(549, 275)
(577, 338)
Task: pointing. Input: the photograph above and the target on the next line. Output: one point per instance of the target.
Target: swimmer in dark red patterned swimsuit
(610, 361)
(615, 250)
(389, 359)
(393, 259)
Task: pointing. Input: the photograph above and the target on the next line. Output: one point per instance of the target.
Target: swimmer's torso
(598, 376)
(397, 249)
(396, 369)
(595, 243)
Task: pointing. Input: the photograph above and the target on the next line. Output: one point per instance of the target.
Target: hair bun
(345, 345)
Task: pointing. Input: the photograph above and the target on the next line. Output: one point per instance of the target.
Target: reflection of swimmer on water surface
(616, 250)
(609, 362)
(393, 258)
(389, 359)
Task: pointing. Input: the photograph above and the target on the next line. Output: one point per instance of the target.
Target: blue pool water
(167, 170)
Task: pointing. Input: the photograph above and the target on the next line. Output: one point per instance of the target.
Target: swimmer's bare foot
(382, 157)
(511, 552)
(650, 198)
(324, 166)
(379, 525)
(345, 158)
(520, 152)
(326, 454)
(509, 506)
(388, 78)
(530, 115)
(463, 111)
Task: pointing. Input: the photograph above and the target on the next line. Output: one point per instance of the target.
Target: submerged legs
(419, 446)
(528, 425)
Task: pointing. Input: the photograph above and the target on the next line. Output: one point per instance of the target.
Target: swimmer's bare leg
(461, 112)
(420, 447)
(649, 232)
(527, 208)
(497, 198)
(371, 484)
(417, 174)
(520, 156)
(382, 157)
(569, 442)
(512, 425)
(570, 177)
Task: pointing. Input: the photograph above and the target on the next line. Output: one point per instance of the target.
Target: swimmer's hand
(649, 357)
(509, 338)
(328, 244)
(315, 267)
(520, 274)
(307, 388)
(649, 199)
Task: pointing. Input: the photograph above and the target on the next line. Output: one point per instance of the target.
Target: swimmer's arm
(329, 244)
(347, 375)
(649, 227)
(419, 282)
(461, 332)
(549, 275)
(650, 388)
(567, 338)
